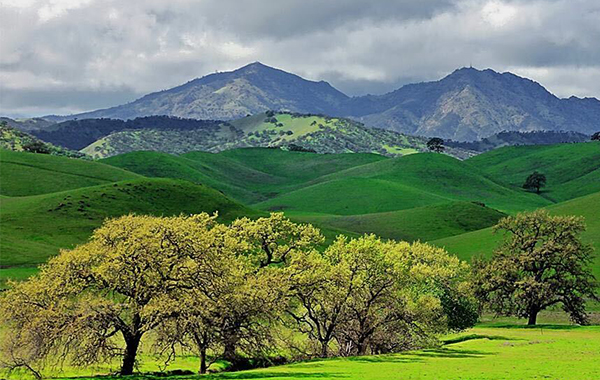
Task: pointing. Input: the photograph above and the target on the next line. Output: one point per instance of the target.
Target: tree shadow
(451, 353)
(273, 375)
(534, 327)
(466, 338)
(419, 356)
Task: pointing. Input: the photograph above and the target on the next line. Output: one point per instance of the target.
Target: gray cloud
(73, 55)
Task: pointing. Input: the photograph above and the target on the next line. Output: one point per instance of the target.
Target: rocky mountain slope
(467, 105)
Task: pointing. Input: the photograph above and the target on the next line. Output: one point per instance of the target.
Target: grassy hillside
(31, 174)
(483, 242)
(36, 227)
(572, 170)
(420, 223)
(402, 183)
(322, 134)
(249, 175)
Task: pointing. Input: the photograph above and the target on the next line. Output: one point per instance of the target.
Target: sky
(68, 56)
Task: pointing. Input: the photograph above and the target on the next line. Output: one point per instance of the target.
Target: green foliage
(540, 263)
(224, 288)
(436, 144)
(484, 242)
(535, 181)
(19, 141)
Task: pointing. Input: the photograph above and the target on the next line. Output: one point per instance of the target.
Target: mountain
(251, 89)
(471, 104)
(467, 105)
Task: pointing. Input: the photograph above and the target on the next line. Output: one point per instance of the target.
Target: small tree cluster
(225, 292)
(436, 144)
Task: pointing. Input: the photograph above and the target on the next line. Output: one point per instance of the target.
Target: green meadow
(491, 351)
(48, 203)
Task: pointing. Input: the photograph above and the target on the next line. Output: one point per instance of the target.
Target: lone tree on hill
(535, 181)
(436, 144)
(542, 262)
(596, 136)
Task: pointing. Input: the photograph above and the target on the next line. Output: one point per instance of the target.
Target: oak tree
(541, 262)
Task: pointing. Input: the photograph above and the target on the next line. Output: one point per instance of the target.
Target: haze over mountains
(467, 105)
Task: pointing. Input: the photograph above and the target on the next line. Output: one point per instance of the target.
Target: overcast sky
(64, 56)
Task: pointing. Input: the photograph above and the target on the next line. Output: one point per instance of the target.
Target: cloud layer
(62, 56)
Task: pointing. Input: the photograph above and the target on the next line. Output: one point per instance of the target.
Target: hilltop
(16, 140)
(101, 138)
(466, 105)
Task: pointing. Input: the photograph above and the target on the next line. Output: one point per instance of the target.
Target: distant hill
(101, 138)
(27, 125)
(506, 138)
(77, 134)
(249, 175)
(467, 105)
(19, 141)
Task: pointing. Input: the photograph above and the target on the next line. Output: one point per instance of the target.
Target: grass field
(31, 174)
(420, 223)
(401, 183)
(572, 170)
(492, 351)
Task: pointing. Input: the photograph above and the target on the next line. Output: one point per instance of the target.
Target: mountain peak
(254, 66)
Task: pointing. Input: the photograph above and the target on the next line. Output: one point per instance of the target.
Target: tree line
(247, 291)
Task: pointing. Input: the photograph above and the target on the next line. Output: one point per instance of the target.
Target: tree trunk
(132, 344)
(203, 367)
(229, 351)
(532, 317)
(324, 349)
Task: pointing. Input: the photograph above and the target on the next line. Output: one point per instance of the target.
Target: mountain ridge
(466, 105)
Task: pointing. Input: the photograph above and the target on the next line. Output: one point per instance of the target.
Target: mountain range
(467, 105)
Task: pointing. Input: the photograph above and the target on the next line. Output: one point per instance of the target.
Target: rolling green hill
(483, 242)
(420, 223)
(572, 170)
(402, 183)
(36, 227)
(249, 175)
(31, 174)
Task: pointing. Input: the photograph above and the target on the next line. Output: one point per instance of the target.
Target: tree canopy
(541, 262)
(535, 181)
(228, 292)
(436, 144)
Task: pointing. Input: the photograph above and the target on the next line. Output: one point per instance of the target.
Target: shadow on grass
(465, 338)
(419, 356)
(272, 375)
(535, 327)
